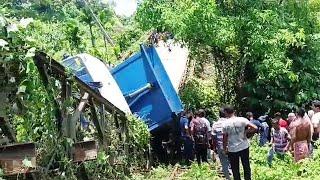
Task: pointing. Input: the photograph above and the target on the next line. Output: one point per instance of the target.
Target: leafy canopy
(265, 52)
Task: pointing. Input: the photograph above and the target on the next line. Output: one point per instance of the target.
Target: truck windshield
(74, 63)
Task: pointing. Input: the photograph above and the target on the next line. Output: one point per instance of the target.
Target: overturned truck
(146, 89)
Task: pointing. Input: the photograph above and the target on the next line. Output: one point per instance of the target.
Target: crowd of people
(229, 137)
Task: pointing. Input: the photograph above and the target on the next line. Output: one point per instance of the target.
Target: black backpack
(200, 132)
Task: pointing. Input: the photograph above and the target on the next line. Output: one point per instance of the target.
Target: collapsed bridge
(143, 83)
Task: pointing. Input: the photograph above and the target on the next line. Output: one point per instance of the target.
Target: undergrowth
(286, 169)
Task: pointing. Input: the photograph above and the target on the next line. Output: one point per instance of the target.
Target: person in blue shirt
(186, 139)
(264, 131)
(256, 122)
(263, 128)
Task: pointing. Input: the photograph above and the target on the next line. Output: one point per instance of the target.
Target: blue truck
(146, 89)
(139, 85)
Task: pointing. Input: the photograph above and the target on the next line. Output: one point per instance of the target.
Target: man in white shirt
(202, 115)
(217, 137)
(235, 142)
(315, 120)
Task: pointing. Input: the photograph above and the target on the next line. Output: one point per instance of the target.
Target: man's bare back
(302, 130)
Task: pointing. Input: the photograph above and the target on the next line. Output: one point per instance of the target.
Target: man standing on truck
(235, 142)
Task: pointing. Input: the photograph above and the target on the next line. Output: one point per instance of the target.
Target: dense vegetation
(59, 27)
(265, 53)
(198, 93)
(281, 169)
(259, 55)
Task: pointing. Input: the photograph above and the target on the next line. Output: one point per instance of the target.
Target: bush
(198, 93)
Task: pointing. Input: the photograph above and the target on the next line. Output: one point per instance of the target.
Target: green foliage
(129, 36)
(102, 169)
(139, 134)
(138, 142)
(198, 93)
(160, 172)
(205, 171)
(284, 169)
(58, 27)
(55, 151)
(16, 58)
(68, 27)
(122, 157)
(265, 53)
(72, 33)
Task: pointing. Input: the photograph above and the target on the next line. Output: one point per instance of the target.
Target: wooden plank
(12, 157)
(119, 130)
(102, 119)
(96, 122)
(71, 127)
(66, 93)
(84, 151)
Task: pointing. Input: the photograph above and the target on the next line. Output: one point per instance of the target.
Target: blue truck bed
(147, 88)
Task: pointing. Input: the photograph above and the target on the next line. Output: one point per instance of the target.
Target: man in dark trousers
(186, 136)
(199, 133)
(235, 142)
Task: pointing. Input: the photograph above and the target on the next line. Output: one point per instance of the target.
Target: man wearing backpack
(202, 115)
(199, 133)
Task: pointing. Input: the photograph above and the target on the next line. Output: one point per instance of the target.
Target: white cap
(310, 113)
(263, 118)
(291, 115)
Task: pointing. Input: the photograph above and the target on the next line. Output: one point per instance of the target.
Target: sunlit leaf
(22, 89)
(25, 22)
(12, 27)
(27, 163)
(31, 52)
(3, 43)
(2, 22)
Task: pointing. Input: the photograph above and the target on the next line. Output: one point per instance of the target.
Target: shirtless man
(291, 119)
(301, 135)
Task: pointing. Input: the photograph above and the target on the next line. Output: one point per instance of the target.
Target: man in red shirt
(282, 123)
